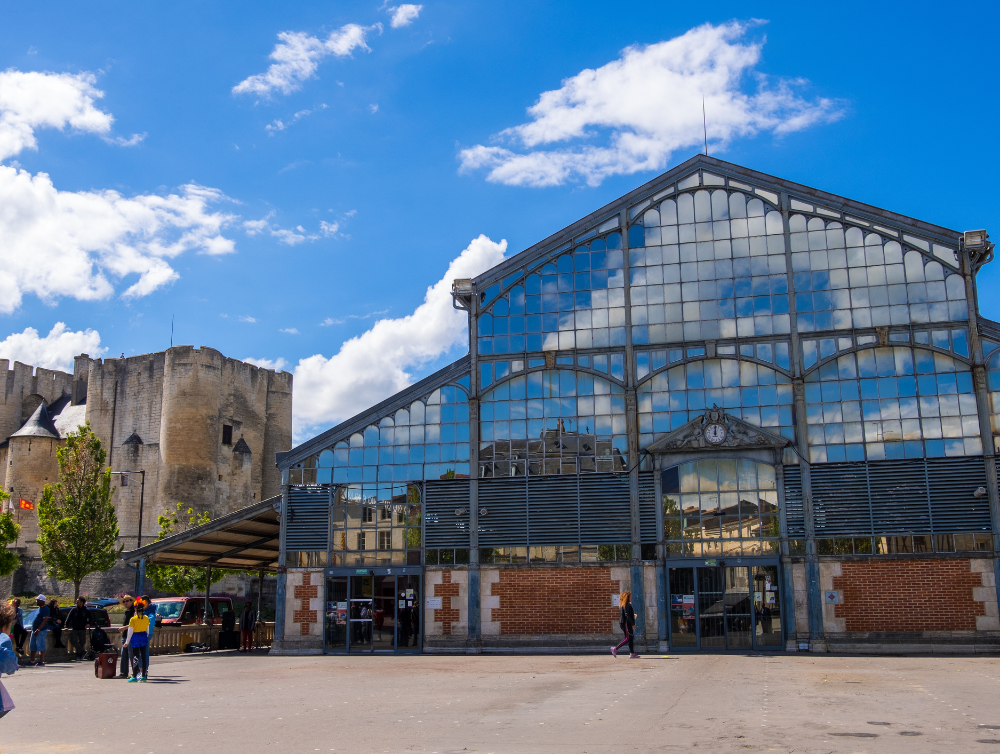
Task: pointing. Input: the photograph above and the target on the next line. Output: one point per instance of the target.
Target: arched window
(753, 392)
(891, 402)
(707, 265)
(552, 422)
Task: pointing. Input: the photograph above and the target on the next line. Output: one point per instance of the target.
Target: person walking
(39, 632)
(248, 622)
(137, 638)
(18, 634)
(78, 622)
(129, 605)
(626, 620)
(8, 657)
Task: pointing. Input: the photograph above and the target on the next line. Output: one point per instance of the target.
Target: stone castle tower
(204, 428)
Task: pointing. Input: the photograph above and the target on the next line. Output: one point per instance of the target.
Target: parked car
(103, 602)
(98, 614)
(182, 611)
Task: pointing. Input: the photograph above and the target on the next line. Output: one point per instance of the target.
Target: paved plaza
(226, 702)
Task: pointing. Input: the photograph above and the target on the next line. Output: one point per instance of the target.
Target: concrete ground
(226, 702)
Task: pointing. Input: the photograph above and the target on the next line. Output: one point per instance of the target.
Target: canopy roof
(247, 539)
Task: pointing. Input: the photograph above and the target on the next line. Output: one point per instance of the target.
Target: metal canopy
(246, 539)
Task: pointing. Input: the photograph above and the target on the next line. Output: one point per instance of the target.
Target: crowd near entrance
(372, 610)
(717, 606)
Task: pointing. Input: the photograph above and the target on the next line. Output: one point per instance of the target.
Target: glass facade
(552, 422)
(720, 507)
(376, 525)
(884, 403)
(708, 265)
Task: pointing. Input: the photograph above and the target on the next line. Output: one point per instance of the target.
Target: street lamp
(140, 572)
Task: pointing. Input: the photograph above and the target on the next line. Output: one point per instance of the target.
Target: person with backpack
(137, 638)
(626, 620)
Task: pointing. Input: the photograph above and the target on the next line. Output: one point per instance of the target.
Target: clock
(715, 433)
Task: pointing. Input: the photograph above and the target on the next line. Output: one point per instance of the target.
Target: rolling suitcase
(106, 665)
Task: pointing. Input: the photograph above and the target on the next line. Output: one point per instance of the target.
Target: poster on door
(684, 604)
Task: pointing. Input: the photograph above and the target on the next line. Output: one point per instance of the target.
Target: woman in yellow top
(138, 642)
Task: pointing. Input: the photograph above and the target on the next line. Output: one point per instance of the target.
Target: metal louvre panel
(793, 501)
(647, 507)
(506, 521)
(899, 496)
(840, 499)
(605, 516)
(952, 482)
(442, 528)
(308, 523)
(553, 510)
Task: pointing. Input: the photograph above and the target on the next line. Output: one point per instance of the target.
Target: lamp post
(138, 540)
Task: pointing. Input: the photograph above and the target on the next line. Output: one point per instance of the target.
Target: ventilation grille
(553, 511)
(308, 523)
(442, 528)
(506, 520)
(922, 496)
(647, 507)
(604, 509)
(793, 501)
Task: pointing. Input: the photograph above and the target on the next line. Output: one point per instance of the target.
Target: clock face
(715, 433)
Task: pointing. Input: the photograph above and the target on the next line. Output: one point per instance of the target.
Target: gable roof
(402, 399)
(607, 213)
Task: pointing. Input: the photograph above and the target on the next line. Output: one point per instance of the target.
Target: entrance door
(368, 613)
(724, 607)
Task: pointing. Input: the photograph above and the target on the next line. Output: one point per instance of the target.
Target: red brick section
(445, 590)
(555, 601)
(306, 592)
(908, 595)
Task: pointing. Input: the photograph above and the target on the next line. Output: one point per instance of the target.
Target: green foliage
(182, 579)
(9, 532)
(77, 521)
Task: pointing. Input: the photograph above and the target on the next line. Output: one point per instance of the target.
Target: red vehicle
(182, 611)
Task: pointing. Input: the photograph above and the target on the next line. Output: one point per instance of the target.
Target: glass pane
(738, 617)
(711, 608)
(360, 606)
(408, 608)
(336, 614)
(767, 606)
(682, 615)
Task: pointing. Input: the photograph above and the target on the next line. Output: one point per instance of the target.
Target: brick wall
(538, 601)
(909, 595)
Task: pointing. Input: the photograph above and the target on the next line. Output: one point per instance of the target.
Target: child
(137, 639)
(8, 658)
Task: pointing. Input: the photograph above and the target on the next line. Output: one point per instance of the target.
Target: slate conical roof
(241, 446)
(39, 425)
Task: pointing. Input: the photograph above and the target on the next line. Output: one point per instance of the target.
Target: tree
(182, 579)
(177, 579)
(76, 518)
(9, 532)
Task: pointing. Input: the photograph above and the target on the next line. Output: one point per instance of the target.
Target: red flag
(27, 505)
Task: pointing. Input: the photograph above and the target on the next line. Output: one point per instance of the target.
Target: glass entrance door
(369, 613)
(724, 607)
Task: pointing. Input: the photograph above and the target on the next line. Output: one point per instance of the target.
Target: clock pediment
(737, 434)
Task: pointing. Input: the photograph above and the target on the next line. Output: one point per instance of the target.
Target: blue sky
(889, 104)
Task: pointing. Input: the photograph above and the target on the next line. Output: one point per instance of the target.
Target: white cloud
(378, 363)
(297, 56)
(404, 15)
(648, 104)
(341, 320)
(291, 237)
(61, 243)
(373, 107)
(279, 125)
(55, 351)
(328, 229)
(275, 364)
(290, 330)
(121, 141)
(248, 319)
